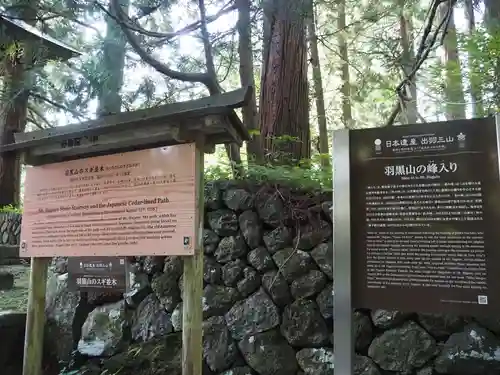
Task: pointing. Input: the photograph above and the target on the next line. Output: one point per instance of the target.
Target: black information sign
(425, 217)
(94, 273)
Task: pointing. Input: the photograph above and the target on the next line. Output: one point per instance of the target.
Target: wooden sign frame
(205, 122)
(138, 203)
(212, 117)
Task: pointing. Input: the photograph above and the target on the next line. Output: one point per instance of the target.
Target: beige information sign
(130, 204)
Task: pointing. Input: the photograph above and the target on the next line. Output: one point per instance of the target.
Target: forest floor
(16, 299)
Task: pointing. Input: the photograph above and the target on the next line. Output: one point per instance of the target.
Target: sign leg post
(343, 335)
(35, 319)
(192, 311)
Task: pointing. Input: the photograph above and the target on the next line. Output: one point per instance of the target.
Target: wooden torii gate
(205, 122)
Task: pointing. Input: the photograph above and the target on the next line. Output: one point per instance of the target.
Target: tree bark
(14, 108)
(113, 64)
(407, 61)
(284, 104)
(474, 81)
(245, 51)
(318, 89)
(492, 14)
(110, 102)
(454, 91)
(345, 88)
(232, 149)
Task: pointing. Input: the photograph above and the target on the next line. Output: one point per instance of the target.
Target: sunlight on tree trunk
(345, 88)
(284, 102)
(492, 23)
(13, 111)
(474, 80)
(245, 52)
(232, 149)
(492, 14)
(110, 102)
(112, 66)
(318, 88)
(410, 113)
(453, 91)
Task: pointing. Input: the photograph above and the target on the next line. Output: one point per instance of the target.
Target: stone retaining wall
(10, 228)
(268, 304)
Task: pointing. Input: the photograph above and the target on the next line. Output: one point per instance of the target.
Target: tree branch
(31, 120)
(166, 36)
(230, 63)
(129, 23)
(196, 25)
(37, 113)
(207, 48)
(427, 43)
(52, 14)
(232, 149)
(70, 19)
(162, 68)
(57, 105)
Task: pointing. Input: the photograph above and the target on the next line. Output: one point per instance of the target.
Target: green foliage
(483, 49)
(375, 54)
(313, 177)
(69, 372)
(11, 209)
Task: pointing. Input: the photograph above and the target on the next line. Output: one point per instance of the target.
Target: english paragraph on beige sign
(129, 204)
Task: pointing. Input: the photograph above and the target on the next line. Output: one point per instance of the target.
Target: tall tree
(407, 60)
(474, 79)
(345, 88)
(14, 107)
(250, 112)
(453, 91)
(284, 103)
(492, 22)
(492, 15)
(318, 87)
(112, 64)
(232, 149)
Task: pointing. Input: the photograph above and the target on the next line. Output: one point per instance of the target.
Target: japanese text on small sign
(87, 281)
(421, 141)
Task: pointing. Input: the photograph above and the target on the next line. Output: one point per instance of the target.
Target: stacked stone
(10, 231)
(10, 228)
(267, 305)
(268, 297)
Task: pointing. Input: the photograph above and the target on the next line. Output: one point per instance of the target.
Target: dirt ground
(16, 299)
